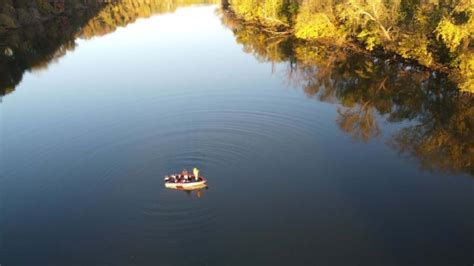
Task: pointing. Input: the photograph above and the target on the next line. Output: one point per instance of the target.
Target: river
(304, 167)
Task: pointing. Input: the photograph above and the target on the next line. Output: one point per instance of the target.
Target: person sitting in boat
(169, 179)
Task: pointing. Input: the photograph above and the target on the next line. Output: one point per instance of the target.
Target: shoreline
(393, 50)
(348, 46)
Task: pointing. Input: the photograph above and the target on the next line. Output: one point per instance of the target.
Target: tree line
(438, 121)
(437, 34)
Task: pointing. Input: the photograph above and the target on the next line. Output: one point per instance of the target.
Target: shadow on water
(439, 120)
(197, 193)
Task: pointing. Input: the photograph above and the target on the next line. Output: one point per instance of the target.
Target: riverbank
(435, 36)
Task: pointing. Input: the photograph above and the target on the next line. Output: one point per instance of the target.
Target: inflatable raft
(185, 181)
(187, 185)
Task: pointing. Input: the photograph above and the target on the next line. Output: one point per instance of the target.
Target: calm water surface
(86, 142)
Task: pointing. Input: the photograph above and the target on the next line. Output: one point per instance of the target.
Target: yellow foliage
(414, 30)
(123, 12)
(374, 16)
(245, 8)
(268, 12)
(452, 35)
(415, 47)
(466, 69)
(315, 26)
(369, 38)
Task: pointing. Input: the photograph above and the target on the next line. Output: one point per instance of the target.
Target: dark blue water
(86, 141)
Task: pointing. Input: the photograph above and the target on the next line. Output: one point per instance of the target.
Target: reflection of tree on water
(444, 137)
(360, 122)
(367, 88)
(34, 48)
(123, 12)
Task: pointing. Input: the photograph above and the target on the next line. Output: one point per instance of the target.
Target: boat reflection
(197, 191)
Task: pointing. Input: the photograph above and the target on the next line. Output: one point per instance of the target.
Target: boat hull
(187, 186)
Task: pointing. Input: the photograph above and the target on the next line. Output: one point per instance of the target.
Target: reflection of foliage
(17, 13)
(360, 122)
(368, 89)
(437, 34)
(123, 12)
(276, 48)
(444, 139)
(34, 48)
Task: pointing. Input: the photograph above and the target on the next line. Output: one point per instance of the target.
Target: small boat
(192, 185)
(185, 181)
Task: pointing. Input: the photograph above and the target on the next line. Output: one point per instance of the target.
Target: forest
(436, 34)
